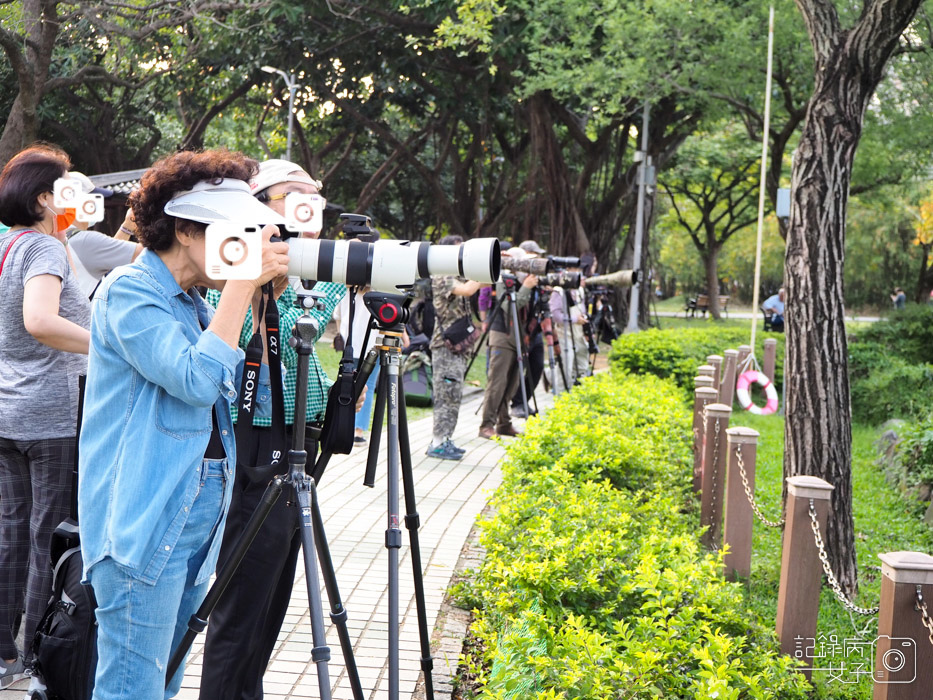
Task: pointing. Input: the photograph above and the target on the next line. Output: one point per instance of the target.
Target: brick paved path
(450, 496)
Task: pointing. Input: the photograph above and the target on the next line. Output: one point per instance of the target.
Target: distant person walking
(899, 299)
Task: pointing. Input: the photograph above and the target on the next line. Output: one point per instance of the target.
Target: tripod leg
(393, 532)
(320, 652)
(519, 350)
(412, 523)
(338, 613)
(198, 621)
(379, 411)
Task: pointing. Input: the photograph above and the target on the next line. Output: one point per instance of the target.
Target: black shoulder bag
(340, 414)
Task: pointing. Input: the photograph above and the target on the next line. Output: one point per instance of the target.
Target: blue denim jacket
(153, 377)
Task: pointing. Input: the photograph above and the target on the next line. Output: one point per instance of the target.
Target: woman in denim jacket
(157, 446)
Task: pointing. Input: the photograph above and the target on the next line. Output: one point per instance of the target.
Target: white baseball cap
(210, 201)
(275, 171)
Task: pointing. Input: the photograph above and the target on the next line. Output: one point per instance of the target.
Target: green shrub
(676, 353)
(594, 584)
(895, 390)
(907, 334)
(866, 358)
(915, 451)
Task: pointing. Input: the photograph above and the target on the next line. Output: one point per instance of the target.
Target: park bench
(700, 304)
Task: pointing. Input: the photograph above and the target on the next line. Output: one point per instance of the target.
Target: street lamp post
(292, 85)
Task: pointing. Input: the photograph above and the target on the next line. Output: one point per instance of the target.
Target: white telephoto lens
(394, 265)
(387, 266)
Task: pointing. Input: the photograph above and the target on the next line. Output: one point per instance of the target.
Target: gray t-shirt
(38, 384)
(95, 254)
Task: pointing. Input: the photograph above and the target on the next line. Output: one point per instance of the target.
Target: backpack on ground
(65, 645)
(418, 378)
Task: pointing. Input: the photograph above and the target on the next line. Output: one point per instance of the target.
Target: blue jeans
(362, 418)
(140, 624)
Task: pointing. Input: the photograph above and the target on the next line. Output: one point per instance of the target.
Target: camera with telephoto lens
(568, 280)
(562, 263)
(387, 265)
(531, 266)
(383, 265)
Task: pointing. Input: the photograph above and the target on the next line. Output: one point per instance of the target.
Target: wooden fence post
(768, 359)
(801, 570)
(701, 381)
(715, 361)
(738, 516)
(727, 388)
(904, 647)
(706, 371)
(714, 474)
(703, 396)
(744, 351)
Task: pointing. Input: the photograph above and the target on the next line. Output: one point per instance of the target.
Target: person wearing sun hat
(156, 448)
(246, 620)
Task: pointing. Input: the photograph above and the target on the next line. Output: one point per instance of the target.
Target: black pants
(36, 484)
(534, 368)
(244, 626)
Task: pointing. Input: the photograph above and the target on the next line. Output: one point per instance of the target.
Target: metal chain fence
(827, 569)
(924, 615)
(748, 491)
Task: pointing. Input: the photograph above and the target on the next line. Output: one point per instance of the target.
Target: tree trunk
(818, 429)
(20, 129)
(30, 61)
(925, 280)
(712, 279)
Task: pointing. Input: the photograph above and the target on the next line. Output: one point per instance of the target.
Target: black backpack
(65, 643)
(418, 378)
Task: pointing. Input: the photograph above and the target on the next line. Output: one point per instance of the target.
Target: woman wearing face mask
(44, 321)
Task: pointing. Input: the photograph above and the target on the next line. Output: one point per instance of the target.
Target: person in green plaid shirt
(318, 381)
(246, 622)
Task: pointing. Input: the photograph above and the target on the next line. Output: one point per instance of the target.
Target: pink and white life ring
(745, 400)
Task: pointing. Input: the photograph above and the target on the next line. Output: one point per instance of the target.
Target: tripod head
(389, 311)
(306, 327)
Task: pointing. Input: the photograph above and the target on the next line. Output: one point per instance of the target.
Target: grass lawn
(884, 522)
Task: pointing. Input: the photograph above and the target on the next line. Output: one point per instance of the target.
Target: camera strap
(260, 452)
(340, 414)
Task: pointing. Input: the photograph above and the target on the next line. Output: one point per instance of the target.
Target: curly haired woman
(157, 447)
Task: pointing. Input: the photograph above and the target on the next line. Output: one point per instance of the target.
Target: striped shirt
(318, 381)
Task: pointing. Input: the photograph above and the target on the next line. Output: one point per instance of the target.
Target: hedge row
(594, 585)
(677, 353)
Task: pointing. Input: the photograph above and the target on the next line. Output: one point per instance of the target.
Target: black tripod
(511, 284)
(313, 539)
(390, 313)
(555, 361)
